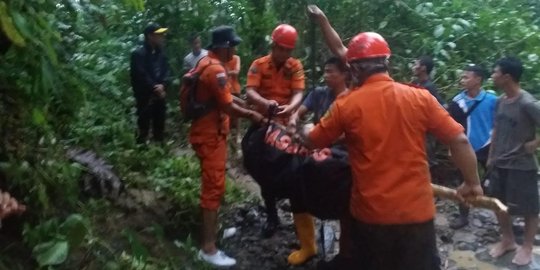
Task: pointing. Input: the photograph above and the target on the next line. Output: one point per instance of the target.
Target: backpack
(189, 106)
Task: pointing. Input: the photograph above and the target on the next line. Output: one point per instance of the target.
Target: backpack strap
(475, 105)
(210, 104)
(200, 70)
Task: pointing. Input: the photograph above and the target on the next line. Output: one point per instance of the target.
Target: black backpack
(191, 108)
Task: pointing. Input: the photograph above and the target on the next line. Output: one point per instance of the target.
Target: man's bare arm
(234, 110)
(331, 37)
(254, 98)
(296, 100)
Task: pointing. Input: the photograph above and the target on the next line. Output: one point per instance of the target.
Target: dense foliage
(64, 82)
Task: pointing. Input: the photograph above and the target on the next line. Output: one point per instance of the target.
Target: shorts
(395, 247)
(212, 157)
(517, 189)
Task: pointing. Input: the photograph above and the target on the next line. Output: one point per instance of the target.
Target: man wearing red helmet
(385, 124)
(277, 80)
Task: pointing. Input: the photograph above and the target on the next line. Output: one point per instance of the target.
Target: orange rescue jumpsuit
(208, 134)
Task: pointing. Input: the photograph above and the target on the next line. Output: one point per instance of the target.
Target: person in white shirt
(197, 52)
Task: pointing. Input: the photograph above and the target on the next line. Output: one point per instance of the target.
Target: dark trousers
(150, 110)
(270, 204)
(293, 194)
(394, 247)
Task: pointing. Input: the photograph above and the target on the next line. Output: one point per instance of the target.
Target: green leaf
(383, 24)
(464, 22)
(51, 253)
(46, 75)
(38, 117)
(22, 24)
(138, 250)
(9, 28)
(75, 230)
(457, 27)
(445, 54)
(439, 30)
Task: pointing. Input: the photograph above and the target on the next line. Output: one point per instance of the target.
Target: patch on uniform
(253, 70)
(298, 73)
(222, 79)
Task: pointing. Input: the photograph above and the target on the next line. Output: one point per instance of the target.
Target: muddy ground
(464, 249)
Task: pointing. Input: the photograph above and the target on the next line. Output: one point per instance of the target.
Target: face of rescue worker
(156, 40)
(196, 45)
(418, 68)
(230, 53)
(225, 54)
(333, 77)
(280, 54)
(469, 80)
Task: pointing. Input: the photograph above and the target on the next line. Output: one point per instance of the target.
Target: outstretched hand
(315, 13)
(285, 110)
(9, 205)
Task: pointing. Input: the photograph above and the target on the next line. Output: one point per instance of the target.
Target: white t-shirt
(191, 59)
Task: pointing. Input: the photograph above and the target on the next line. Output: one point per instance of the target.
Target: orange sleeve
(329, 129)
(219, 83)
(440, 123)
(297, 79)
(254, 75)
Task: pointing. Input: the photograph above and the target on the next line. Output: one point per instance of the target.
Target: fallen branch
(479, 201)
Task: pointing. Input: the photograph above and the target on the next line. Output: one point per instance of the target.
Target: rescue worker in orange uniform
(385, 125)
(233, 69)
(277, 80)
(208, 137)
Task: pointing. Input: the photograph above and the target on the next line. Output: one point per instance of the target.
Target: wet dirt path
(464, 249)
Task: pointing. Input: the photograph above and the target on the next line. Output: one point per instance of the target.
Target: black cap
(224, 37)
(154, 28)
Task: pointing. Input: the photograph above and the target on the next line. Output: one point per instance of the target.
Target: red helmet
(367, 45)
(285, 35)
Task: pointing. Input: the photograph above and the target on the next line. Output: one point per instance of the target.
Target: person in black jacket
(149, 74)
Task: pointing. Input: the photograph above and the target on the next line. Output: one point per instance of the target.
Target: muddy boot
(462, 220)
(305, 231)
